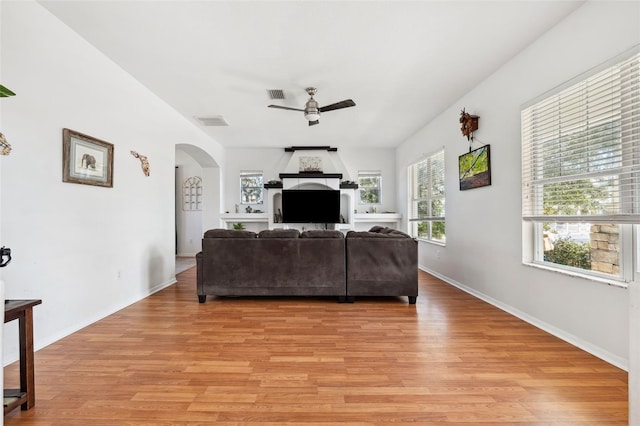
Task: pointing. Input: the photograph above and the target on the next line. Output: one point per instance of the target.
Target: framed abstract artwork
(474, 168)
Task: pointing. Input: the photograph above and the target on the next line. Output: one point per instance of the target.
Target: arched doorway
(198, 184)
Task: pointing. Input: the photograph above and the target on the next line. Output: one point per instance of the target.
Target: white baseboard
(597, 351)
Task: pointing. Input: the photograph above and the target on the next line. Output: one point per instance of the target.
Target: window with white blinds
(370, 187)
(581, 150)
(251, 187)
(427, 198)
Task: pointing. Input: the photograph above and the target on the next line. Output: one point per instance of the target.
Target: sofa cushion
(369, 234)
(395, 232)
(376, 228)
(321, 233)
(279, 233)
(229, 233)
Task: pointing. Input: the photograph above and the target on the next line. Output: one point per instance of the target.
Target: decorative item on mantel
(310, 165)
(144, 162)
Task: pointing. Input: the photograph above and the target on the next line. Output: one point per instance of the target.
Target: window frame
(369, 174)
(413, 177)
(534, 219)
(260, 187)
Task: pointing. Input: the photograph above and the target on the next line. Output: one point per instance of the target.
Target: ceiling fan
(312, 110)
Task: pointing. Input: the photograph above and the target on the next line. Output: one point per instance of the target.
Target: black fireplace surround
(286, 262)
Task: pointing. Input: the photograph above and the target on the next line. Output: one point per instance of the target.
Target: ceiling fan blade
(284, 107)
(338, 105)
(313, 123)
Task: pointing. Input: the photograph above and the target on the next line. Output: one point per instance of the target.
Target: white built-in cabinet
(273, 206)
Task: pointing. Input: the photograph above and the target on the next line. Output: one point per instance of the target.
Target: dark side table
(25, 397)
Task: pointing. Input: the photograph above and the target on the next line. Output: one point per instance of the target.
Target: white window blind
(581, 150)
(426, 186)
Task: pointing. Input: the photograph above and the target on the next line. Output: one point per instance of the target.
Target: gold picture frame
(86, 160)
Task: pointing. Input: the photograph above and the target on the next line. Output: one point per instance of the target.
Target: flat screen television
(310, 206)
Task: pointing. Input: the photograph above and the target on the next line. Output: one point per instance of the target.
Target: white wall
(273, 161)
(85, 251)
(188, 222)
(484, 228)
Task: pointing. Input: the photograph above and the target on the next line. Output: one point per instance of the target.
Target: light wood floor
(448, 359)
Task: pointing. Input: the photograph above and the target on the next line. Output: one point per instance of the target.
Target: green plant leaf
(5, 93)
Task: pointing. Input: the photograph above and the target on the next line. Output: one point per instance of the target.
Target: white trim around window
(581, 173)
(426, 192)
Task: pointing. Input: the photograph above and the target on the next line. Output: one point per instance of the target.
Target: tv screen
(310, 206)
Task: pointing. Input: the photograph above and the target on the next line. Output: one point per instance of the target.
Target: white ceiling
(401, 62)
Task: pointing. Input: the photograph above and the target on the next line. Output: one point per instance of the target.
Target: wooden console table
(25, 396)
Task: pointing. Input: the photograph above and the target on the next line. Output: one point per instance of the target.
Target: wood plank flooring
(451, 358)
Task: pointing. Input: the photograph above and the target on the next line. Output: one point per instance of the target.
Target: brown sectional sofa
(382, 262)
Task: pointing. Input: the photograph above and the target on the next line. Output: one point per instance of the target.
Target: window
(370, 187)
(251, 187)
(426, 198)
(581, 172)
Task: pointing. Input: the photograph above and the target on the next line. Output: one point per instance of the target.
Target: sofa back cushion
(321, 233)
(368, 234)
(229, 233)
(279, 233)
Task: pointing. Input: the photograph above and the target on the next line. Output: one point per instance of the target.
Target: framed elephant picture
(86, 160)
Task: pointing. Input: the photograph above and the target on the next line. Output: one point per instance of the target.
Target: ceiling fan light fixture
(312, 115)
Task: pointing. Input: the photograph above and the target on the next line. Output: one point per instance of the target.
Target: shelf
(377, 217)
(307, 175)
(13, 398)
(245, 217)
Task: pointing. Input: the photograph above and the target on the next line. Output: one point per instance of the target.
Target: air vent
(275, 93)
(212, 120)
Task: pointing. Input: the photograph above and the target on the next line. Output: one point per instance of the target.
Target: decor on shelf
(238, 226)
(277, 217)
(469, 124)
(86, 160)
(475, 168)
(348, 184)
(273, 183)
(144, 162)
(5, 146)
(310, 164)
